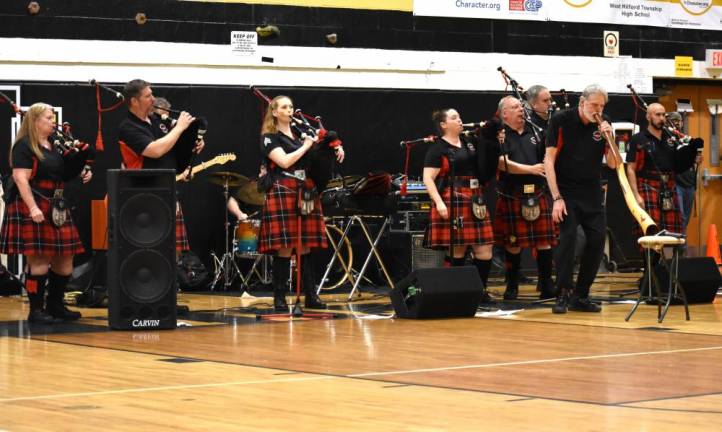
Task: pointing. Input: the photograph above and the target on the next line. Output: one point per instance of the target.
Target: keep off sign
(611, 43)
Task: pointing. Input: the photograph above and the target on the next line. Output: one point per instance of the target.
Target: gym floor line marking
(318, 377)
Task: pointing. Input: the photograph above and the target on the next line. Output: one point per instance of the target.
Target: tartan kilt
(512, 230)
(181, 235)
(649, 190)
(21, 236)
(279, 219)
(472, 232)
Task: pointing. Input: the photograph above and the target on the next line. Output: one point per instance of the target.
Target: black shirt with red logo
(662, 152)
(465, 162)
(580, 149)
(135, 134)
(522, 148)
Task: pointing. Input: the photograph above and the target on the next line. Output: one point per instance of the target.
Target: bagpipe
(323, 153)
(78, 155)
(183, 148)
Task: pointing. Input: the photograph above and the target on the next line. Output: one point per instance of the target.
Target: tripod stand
(225, 267)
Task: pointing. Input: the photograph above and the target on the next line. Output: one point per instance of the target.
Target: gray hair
(674, 116)
(594, 89)
(533, 92)
(162, 102)
(500, 106)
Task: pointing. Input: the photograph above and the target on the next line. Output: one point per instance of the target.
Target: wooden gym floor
(528, 370)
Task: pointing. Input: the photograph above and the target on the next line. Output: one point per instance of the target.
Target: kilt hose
(21, 236)
(512, 230)
(650, 190)
(279, 219)
(472, 231)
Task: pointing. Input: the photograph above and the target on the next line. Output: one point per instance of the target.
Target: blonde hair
(28, 129)
(269, 121)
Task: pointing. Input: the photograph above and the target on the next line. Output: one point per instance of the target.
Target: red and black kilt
(279, 219)
(21, 236)
(472, 232)
(650, 189)
(181, 235)
(512, 230)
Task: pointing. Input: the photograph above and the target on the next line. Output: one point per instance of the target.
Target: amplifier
(410, 221)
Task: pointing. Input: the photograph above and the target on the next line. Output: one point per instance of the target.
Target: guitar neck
(198, 168)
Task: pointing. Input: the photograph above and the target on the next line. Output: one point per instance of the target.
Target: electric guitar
(218, 160)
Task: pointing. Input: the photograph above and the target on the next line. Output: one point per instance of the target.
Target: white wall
(183, 63)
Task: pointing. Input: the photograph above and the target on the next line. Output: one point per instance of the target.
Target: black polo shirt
(580, 149)
(540, 122)
(269, 142)
(524, 149)
(49, 168)
(465, 163)
(662, 152)
(135, 134)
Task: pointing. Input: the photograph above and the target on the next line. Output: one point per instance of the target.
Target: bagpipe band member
(147, 142)
(37, 222)
(573, 167)
(539, 99)
(686, 181)
(523, 208)
(653, 160)
(473, 224)
(290, 193)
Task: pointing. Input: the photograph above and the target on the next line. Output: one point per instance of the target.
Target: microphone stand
(452, 214)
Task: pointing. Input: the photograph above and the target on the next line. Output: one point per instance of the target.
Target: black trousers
(588, 213)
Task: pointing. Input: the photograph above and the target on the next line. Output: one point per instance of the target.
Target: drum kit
(245, 234)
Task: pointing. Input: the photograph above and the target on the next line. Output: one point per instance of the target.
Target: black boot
(544, 264)
(483, 267)
(562, 304)
(308, 274)
(513, 264)
(280, 273)
(56, 293)
(35, 286)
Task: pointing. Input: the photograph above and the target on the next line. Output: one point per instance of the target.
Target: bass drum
(338, 275)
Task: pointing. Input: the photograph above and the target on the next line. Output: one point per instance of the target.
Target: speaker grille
(145, 276)
(145, 220)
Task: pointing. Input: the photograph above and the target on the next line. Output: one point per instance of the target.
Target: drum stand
(373, 242)
(226, 267)
(260, 268)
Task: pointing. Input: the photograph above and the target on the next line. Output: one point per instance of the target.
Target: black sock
(483, 267)
(512, 263)
(281, 273)
(544, 266)
(458, 262)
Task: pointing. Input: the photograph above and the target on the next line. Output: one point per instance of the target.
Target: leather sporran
(478, 207)
(59, 208)
(667, 203)
(530, 209)
(306, 200)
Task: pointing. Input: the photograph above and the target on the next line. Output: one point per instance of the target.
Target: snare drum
(246, 236)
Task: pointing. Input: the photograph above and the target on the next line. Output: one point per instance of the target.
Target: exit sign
(713, 59)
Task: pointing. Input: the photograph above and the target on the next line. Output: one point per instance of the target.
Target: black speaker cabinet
(141, 254)
(450, 292)
(699, 277)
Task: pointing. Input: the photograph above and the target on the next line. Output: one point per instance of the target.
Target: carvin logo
(145, 323)
(696, 7)
(597, 135)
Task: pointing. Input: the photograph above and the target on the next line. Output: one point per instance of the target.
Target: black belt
(467, 183)
(656, 175)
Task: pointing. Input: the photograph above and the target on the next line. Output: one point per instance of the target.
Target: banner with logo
(530, 10)
(690, 14)
(630, 12)
(695, 14)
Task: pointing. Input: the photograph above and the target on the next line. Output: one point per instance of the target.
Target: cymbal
(221, 177)
(339, 182)
(249, 194)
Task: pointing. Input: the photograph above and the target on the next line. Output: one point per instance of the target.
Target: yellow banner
(397, 5)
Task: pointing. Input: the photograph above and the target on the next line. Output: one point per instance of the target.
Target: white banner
(696, 14)
(689, 14)
(630, 12)
(531, 10)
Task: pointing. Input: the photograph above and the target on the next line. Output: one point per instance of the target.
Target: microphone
(117, 94)
(427, 139)
(474, 125)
